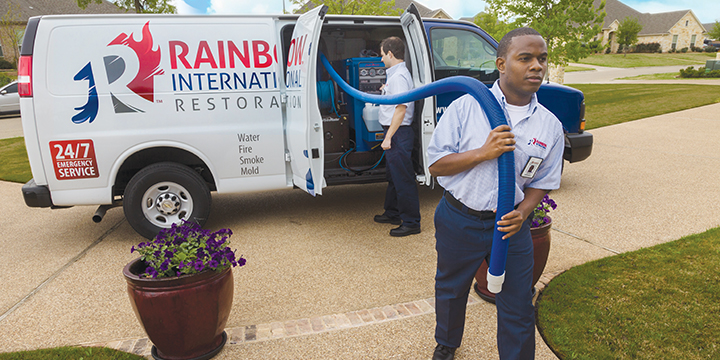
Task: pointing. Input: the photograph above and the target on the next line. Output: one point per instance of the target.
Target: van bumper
(578, 147)
(36, 195)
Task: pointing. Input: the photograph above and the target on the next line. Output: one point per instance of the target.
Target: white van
(153, 112)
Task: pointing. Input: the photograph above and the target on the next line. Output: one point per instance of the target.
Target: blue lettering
(211, 80)
(255, 81)
(242, 82)
(225, 80)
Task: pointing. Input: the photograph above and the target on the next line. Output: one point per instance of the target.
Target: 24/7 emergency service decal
(200, 72)
(74, 159)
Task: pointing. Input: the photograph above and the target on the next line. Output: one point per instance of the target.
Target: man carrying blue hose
(463, 155)
(402, 203)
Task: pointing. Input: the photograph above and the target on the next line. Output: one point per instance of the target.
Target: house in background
(674, 30)
(424, 10)
(15, 14)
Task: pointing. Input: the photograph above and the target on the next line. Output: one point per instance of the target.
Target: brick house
(15, 14)
(674, 30)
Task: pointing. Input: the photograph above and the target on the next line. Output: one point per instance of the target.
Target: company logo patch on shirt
(536, 142)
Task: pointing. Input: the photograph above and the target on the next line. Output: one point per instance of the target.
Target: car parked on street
(9, 99)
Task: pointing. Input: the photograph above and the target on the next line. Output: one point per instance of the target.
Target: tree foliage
(489, 22)
(628, 33)
(138, 6)
(351, 7)
(11, 32)
(714, 33)
(570, 27)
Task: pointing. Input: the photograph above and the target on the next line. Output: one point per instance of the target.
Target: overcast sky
(706, 10)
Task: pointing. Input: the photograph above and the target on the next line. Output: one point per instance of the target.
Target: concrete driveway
(323, 281)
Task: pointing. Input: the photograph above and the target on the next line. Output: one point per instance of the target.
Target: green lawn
(71, 353)
(14, 165)
(640, 60)
(661, 302)
(609, 104)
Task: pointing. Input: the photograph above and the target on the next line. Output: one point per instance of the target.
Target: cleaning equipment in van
(506, 161)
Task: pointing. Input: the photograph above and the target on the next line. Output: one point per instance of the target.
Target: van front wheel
(162, 194)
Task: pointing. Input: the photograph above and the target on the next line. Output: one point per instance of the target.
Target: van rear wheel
(162, 194)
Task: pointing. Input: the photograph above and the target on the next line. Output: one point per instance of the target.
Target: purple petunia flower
(199, 266)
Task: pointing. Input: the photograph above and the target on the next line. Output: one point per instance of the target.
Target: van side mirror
(3, 92)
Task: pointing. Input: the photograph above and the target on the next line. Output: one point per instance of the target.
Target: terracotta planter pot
(541, 249)
(184, 317)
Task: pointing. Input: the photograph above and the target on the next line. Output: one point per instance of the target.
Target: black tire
(165, 193)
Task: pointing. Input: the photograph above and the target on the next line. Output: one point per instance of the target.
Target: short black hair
(395, 45)
(504, 44)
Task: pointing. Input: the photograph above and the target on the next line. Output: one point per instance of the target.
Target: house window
(692, 40)
(687, 22)
(1, 51)
(674, 43)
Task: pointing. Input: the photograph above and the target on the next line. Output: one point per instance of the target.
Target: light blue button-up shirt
(398, 81)
(464, 127)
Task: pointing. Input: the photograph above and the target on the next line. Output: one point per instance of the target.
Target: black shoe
(443, 352)
(384, 219)
(404, 230)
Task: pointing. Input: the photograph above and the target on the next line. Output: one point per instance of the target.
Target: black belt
(483, 215)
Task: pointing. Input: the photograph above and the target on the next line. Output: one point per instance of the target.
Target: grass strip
(663, 76)
(14, 165)
(71, 353)
(661, 302)
(642, 60)
(577, 68)
(610, 104)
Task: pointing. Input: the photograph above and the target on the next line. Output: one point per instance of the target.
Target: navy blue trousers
(401, 198)
(463, 242)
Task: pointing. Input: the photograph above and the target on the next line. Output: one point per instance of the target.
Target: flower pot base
(209, 355)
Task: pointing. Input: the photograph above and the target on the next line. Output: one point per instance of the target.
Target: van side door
(304, 123)
(420, 68)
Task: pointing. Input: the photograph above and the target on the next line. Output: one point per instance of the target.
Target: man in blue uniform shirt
(463, 155)
(402, 203)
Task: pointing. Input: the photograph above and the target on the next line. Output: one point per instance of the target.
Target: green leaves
(351, 7)
(628, 32)
(570, 27)
(139, 6)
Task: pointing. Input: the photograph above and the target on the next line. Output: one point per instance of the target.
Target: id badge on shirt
(531, 167)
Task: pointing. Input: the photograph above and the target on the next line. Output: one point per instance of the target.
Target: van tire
(165, 193)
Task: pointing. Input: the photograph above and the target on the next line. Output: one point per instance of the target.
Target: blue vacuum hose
(506, 161)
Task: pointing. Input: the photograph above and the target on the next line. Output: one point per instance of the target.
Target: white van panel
(214, 90)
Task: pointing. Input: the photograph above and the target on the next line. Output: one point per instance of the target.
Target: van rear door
(304, 122)
(419, 52)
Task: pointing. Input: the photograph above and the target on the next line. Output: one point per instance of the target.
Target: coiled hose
(506, 161)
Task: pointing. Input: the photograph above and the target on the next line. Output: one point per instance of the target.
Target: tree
(714, 33)
(139, 6)
(489, 22)
(351, 7)
(568, 26)
(628, 33)
(12, 32)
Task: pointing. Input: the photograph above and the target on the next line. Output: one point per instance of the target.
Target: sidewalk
(646, 183)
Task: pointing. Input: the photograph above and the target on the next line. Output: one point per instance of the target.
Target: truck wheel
(162, 194)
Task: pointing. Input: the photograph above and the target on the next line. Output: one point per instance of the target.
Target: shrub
(699, 73)
(648, 48)
(4, 64)
(710, 49)
(5, 79)
(607, 51)
(684, 50)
